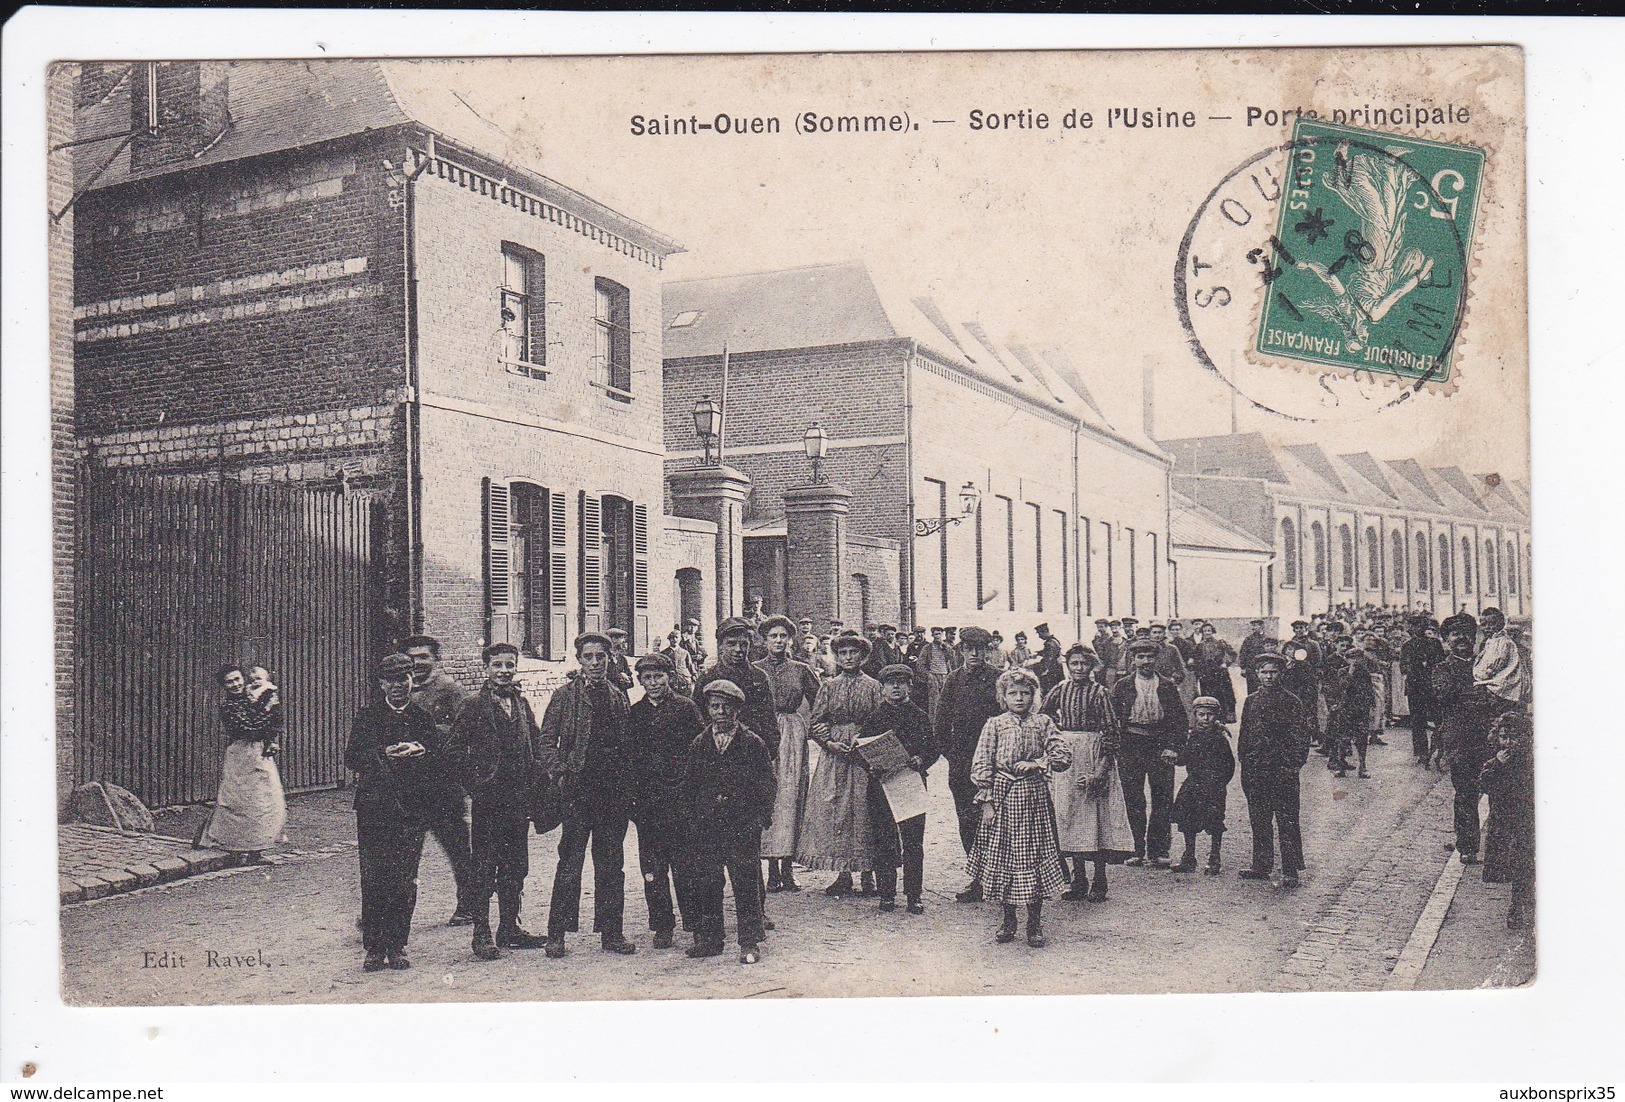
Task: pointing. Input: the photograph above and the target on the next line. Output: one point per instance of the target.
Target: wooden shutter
(592, 562)
(640, 579)
(498, 563)
(558, 586)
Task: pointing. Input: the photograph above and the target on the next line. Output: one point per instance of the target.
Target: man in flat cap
(728, 791)
(734, 664)
(589, 755)
(399, 757)
(1048, 666)
(1105, 647)
(443, 698)
(1301, 677)
(1465, 713)
(660, 728)
(1419, 656)
(1154, 725)
(1256, 643)
(620, 669)
(970, 697)
(935, 662)
(1131, 631)
(498, 729)
(1271, 748)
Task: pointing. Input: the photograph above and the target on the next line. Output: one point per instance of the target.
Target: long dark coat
(411, 788)
(728, 796)
(1209, 765)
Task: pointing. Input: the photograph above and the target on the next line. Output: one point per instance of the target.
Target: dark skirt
(1199, 808)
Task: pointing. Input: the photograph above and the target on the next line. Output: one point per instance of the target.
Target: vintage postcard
(496, 500)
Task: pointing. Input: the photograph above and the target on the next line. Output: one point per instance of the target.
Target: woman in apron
(835, 832)
(1091, 817)
(249, 811)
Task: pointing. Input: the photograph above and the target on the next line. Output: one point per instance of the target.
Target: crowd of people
(1060, 763)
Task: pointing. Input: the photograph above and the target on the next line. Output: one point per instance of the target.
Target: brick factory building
(1357, 529)
(925, 417)
(332, 274)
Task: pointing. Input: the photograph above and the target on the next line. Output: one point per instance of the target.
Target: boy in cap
(1271, 748)
(584, 738)
(906, 839)
(1209, 765)
(397, 753)
(660, 727)
(1350, 699)
(1465, 712)
(728, 792)
(499, 730)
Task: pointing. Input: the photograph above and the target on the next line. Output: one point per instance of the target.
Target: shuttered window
(524, 568)
(592, 562)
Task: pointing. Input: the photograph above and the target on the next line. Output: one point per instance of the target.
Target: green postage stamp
(1369, 258)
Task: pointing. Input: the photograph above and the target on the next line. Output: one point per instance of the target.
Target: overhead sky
(1056, 234)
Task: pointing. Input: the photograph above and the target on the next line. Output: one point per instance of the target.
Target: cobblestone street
(286, 933)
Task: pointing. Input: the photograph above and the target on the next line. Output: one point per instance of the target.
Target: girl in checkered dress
(1016, 857)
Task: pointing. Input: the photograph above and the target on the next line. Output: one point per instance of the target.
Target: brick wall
(240, 290)
(460, 238)
(876, 560)
(855, 392)
(60, 91)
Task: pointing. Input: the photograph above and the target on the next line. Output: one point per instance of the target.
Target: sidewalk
(94, 861)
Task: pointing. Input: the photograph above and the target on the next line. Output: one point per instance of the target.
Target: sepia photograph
(999, 553)
(901, 522)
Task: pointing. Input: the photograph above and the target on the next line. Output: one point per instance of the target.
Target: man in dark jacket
(1049, 669)
(660, 729)
(1154, 723)
(906, 839)
(443, 698)
(1465, 713)
(584, 742)
(1272, 746)
(1301, 677)
(734, 664)
(728, 792)
(1350, 700)
(498, 733)
(1254, 645)
(970, 697)
(400, 757)
(1419, 656)
(1105, 647)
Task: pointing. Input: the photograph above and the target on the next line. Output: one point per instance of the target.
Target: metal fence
(176, 578)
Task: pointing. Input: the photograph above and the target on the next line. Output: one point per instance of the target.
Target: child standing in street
(1508, 777)
(1209, 764)
(1016, 857)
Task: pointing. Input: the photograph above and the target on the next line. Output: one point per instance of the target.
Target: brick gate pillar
(717, 494)
(815, 550)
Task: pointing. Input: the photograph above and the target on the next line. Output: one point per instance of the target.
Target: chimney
(1148, 397)
(190, 115)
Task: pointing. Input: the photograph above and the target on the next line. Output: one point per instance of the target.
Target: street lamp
(816, 443)
(708, 425)
(969, 498)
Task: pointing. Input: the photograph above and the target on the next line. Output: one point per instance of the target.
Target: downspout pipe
(909, 360)
(414, 165)
(1077, 553)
